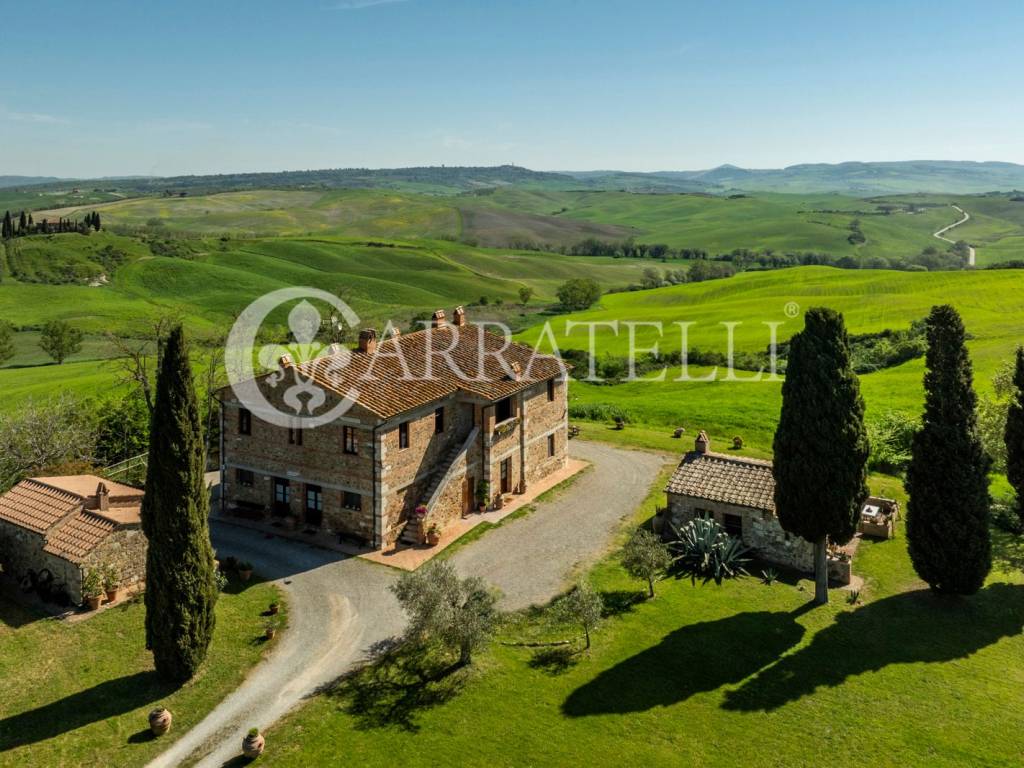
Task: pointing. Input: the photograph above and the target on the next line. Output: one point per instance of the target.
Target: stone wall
(125, 549)
(761, 532)
(21, 550)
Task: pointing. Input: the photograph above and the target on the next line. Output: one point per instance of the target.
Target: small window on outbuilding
(244, 421)
(733, 525)
(551, 390)
(439, 421)
(403, 435)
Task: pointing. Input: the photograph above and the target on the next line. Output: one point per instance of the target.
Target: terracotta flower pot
(269, 633)
(160, 720)
(433, 539)
(111, 595)
(274, 609)
(252, 745)
(93, 602)
(245, 575)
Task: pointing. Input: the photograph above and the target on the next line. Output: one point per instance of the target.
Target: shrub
(704, 549)
(645, 557)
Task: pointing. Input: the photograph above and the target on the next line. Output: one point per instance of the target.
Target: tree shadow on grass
(108, 699)
(618, 602)
(403, 680)
(908, 628)
(1007, 551)
(693, 659)
(556, 660)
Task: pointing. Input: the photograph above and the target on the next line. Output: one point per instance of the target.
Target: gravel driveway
(529, 559)
(340, 606)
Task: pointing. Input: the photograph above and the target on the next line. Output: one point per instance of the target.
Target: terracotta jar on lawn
(160, 721)
(253, 744)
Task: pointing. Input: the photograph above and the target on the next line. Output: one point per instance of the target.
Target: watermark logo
(304, 401)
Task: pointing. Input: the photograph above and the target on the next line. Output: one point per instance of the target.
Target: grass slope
(78, 694)
(991, 303)
(738, 675)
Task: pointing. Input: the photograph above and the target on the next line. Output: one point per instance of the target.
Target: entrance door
(506, 475)
(468, 492)
(282, 496)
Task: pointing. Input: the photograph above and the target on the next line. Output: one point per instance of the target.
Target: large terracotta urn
(253, 744)
(160, 721)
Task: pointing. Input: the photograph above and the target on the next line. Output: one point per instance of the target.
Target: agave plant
(705, 550)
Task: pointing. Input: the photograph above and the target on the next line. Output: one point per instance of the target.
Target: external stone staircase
(416, 527)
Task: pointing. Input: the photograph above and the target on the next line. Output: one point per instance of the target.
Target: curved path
(942, 232)
(339, 607)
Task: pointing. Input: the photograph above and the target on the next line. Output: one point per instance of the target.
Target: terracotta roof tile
(419, 368)
(37, 506)
(78, 536)
(727, 479)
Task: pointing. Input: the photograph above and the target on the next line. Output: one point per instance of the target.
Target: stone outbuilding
(69, 525)
(739, 493)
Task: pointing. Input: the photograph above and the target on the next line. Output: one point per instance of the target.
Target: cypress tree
(821, 445)
(22, 222)
(180, 581)
(1015, 434)
(947, 481)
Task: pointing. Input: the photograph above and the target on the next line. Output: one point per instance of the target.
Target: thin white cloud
(31, 117)
(355, 5)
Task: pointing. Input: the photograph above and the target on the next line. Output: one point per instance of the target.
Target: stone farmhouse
(69, 525)
(739, 493)
(441, 420)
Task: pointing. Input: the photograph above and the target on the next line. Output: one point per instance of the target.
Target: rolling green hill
(992, 304)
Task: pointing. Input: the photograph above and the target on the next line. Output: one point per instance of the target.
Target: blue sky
(163, 88)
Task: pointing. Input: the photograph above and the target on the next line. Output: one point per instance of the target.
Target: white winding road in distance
(941, 234)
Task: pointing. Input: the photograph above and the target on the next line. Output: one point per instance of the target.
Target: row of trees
(58, 339)
(821, 450)
(23, 224)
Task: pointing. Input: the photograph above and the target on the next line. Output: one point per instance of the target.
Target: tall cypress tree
(180, 581)
(821, 445)
(947, 481)
(1015, 434)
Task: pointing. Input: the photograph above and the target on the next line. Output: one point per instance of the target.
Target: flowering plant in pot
(253, 744)
(92, 588)
(270, 628)
(111, 581)
(420, 511)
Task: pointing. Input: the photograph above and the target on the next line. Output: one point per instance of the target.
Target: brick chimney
(334, 349)
(437, 319)
(702, 443)
(368, 340)
(102, 497)
(517, 371)
(285, 361)
(459, 317)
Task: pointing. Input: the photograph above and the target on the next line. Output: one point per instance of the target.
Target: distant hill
(856, 178)
(25, 181)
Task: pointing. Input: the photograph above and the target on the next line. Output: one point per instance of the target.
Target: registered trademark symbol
(792, 309)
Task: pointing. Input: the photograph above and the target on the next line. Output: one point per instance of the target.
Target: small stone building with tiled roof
(434, 417)
(739, 493)
(70, 524)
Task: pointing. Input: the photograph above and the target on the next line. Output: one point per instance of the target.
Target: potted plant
(270, 629)
(433, 535)
(499, 501)
(483, 492)
(253, 744)
(92, 588)
(274, 609)
(620, 423)
(111, 581)
(160, 721)
(421, 511)
(245, 570)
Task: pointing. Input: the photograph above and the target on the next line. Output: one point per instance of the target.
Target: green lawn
(738, 675)
(79, 694)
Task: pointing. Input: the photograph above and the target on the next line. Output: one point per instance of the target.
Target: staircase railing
(124, 468)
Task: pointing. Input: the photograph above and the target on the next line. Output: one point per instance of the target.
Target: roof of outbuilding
(54, 507)
(418, 368)
(727, 479)
(78, 536)
(37, 506)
